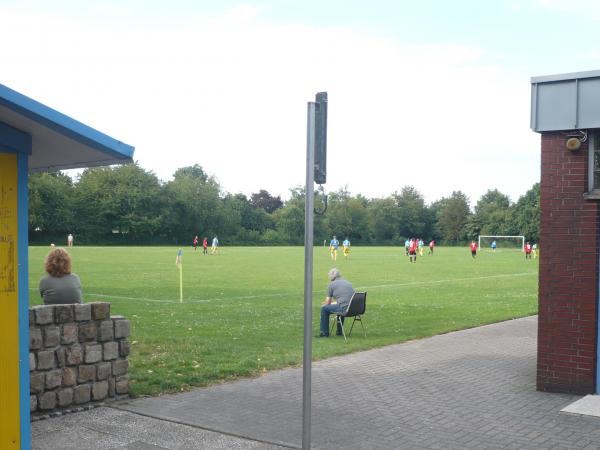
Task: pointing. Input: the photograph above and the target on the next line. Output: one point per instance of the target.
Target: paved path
(468, 389)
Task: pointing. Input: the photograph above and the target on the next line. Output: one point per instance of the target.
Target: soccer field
(242, 311)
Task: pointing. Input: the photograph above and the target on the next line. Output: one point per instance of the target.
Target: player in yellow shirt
(346, 245)
(333, 248)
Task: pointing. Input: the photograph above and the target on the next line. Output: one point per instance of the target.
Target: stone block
(103, 370)
(35, 338)
(86, 373)
(37, 381)
(122, 328)
(31, 317)
(69, 334)
(81, 394)
(63, 313)
(100, 310)
(61, 357)
(74, 355)
(111, 350)
(65, 396)
(47, 400)
(106, 331)
(99, 390)
(120, 367)
(46, 360)
(31, 362)
(33, 403)
(111, 387)
(51, 336)
(93, 353)
(122, 384)
(53, 378)
(124, 347)
(88, 331)
(44, 314)
(69, 376)
(82, 312)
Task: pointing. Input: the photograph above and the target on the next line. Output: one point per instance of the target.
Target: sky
(432, 94)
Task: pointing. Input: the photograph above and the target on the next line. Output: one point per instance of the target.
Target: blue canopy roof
(58, 141)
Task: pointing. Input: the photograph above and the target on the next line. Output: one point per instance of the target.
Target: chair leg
(363, 327)
(359, 318)
(343, 331)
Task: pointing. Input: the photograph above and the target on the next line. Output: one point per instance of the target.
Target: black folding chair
(356, 308)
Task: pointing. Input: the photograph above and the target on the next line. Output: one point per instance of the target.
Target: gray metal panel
(556, 106)
(589, 103)
(569, 101)
(566, 76)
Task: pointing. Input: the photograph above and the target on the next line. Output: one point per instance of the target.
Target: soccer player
(421, 245)
(412, 250)
(527, 250)
(205, 246)
(195, 242)
(406, 245)
(346, 245)
(534, 250)
(70, 240)
(494, 246)
(431, 246)
(215, 246)
(473, 248)
(333, 248)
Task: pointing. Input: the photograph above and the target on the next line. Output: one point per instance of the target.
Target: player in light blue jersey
(333, 248)
(346, 245)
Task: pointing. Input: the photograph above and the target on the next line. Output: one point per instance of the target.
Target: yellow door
(9, 300)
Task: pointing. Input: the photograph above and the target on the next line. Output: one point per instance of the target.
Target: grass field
(243, 309)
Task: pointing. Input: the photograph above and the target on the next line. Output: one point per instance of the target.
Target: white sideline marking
(286, 294)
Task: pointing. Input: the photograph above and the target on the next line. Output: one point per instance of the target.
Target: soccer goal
(517, 242)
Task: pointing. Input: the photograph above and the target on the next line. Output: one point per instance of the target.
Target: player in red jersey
(205, 246)
(195, 242)
(528, 250)
(412, 250)
(473, 248)
(431, 246)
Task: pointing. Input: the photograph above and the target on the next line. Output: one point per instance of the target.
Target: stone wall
(77, 356)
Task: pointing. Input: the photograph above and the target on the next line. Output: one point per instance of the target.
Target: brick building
(565, 109)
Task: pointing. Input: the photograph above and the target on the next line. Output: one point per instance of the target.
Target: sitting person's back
(60, 285)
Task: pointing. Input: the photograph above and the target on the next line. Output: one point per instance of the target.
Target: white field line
(291, 293)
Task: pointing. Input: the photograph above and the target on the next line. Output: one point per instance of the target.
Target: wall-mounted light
(573, 144)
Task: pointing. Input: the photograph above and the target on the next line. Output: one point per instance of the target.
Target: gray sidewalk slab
(469, 389)
(109, 428)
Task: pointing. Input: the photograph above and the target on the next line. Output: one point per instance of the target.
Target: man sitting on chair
(339, 290)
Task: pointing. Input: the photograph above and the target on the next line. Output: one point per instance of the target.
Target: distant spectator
(70, 240)
(60, 285)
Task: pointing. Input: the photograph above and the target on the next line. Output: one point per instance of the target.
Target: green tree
(122, 199)
(492, 215)
(453, 215)
(526, 215)
(385, 218)
(195, 206)
(412, 213)
(51, 210)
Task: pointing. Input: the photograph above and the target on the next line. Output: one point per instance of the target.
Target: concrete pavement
(468, 389)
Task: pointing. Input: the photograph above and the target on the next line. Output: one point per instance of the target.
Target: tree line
(130, 205)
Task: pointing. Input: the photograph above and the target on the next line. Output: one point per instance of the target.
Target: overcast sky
(434, 94)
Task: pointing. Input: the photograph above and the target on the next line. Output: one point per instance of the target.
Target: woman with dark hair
(60, 285)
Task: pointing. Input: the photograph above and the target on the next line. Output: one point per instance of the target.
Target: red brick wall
(568, 271)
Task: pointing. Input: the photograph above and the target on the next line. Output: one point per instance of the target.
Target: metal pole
(308, 274)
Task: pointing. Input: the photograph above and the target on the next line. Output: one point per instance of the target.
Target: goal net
(502, 242)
